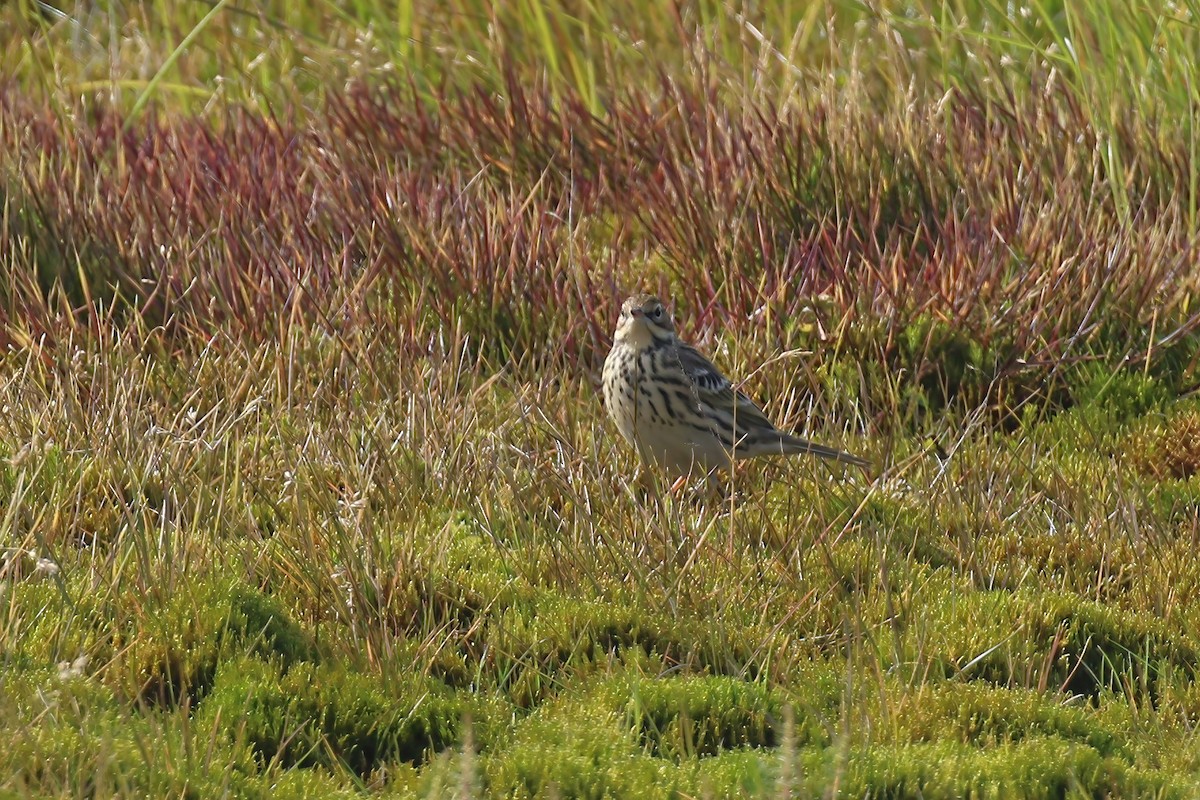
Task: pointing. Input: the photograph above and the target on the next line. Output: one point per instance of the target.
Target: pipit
(677, 409)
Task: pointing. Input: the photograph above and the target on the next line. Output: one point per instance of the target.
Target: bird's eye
(658, 312)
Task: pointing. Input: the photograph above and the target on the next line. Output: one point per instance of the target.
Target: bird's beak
(637, 313)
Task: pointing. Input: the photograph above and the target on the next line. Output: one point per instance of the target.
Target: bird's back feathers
(755, 434)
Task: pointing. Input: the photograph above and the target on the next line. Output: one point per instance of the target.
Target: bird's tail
(793, 444)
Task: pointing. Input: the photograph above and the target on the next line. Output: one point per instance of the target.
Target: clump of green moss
(535, 649)
(1036, 767)
(945, 361)
(739, 773)
(162, 648)
(987, 716)
(66, 731)
(1170, 451)
(1103, 403)
(312, 715)
(456, 591)
(700, 716)
(175, 651)
(577, 752)
(1121, 394)
(629, 735)
(1028, 638)
(911, 527)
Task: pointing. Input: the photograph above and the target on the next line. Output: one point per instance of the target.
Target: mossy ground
(292, 607)
(307, 490)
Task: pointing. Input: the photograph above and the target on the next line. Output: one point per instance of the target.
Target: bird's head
(644, 319)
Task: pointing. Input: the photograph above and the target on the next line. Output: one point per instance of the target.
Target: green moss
(911, 528)
(258, 622)
(67, 730)
(157, 649)
(629, 735)
(700, 716)
(451, 597)
(1122, 395)
(577, 750)
(176, 651)
(944, 360)
(987, 716)
(738, 773)
(1033, 768)
(1174, 503)
(302, 784)
(1104, 403)
(324, 715)
(46, 628)
(533, 649)
(1027, 637)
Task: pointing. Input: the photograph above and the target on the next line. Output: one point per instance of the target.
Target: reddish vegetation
(522, 217)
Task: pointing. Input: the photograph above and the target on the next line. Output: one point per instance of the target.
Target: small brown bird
(677, 409)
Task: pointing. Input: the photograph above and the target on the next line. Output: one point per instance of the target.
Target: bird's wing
(752, 428)
(703, 374)
(714, 390)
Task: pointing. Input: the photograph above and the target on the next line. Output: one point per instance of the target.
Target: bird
(680, 413)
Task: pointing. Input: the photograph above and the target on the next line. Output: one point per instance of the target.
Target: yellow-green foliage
(155, 649)
(1037, 767)
(308, 715)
